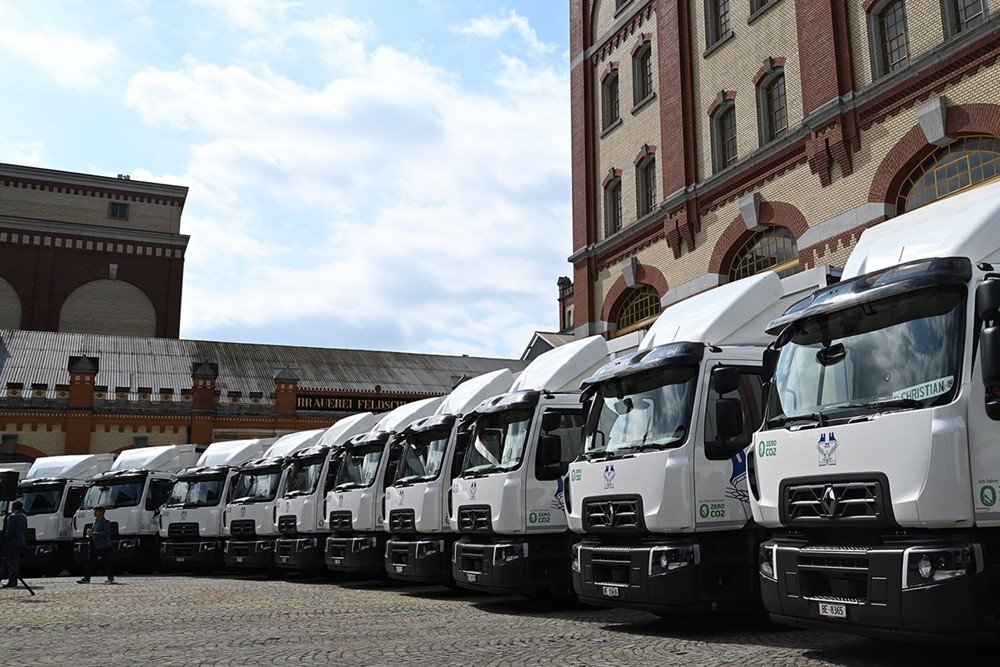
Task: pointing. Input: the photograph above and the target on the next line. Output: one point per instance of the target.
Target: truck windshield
(499, 442)
(423, 454)
(197, 492)
(256, 486)
(900, 353)
(303, 477)
(111, 494)
(650, 410)
(41, 498)
(359, 466)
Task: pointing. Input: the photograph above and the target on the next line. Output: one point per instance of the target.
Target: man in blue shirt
(15, 536)
(100, 547)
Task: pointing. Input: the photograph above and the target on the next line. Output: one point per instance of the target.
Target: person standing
(15, 538)
(100, 547)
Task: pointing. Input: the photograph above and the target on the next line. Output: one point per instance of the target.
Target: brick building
(717, 138)
(90, 254)
(79, 393)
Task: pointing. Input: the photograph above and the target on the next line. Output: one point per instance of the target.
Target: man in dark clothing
(15, 536)
(100, 547)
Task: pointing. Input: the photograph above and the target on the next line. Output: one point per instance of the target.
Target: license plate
(239, 559)
(832, 610)
(471, 576)
(284, 559)
(180, 559)
(336, 561)
(611, 591)
(399, 568)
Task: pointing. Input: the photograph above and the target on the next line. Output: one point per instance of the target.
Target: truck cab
(51, 492)
(509, 497)
(302, 525)
(250, 519)
(659, 492)
(131, 493)
(878, 462)
(356, 504)
(190, 522)
(419, 498)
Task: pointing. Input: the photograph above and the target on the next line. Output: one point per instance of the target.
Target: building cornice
(74, 229)
(90, 184)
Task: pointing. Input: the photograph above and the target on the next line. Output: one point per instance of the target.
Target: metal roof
(42, 357)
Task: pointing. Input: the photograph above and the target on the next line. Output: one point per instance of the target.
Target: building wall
(10, 306)
(835, 173)
(109, 307)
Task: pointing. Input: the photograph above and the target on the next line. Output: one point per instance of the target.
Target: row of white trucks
(822, 447)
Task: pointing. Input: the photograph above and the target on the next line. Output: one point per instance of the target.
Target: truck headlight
(663, 560)
(208, 546)
(362, 543)
(576, 558)
(265, 546)
(429, 548)
(305, 543)
(926, 566)
(127, 544)
(45, 549)
(506, 553)
(766, 561)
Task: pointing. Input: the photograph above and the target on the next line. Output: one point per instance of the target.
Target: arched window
(724, 136)
(645, 185)
(959, 165)
(642, 73)
(772, 106)
(772, 249)
(889, 36)
(613, 206)
(639, 310)
(609, 100)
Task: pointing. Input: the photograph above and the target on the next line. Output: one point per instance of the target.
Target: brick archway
(902, 159)
(645, 275)
(25, 450)
(770, 214)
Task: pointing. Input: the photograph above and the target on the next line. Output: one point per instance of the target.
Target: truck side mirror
(729, 418)
(770, 361)
(549, 463)
(551, 421)
(989, 358)
(988, 300)
(726, 379)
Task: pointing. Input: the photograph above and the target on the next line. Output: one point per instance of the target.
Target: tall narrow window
(959, 165)
(724, 136)
(642, 73)
(646, 185)
(889, 35)
(772, 106)
(609, 100)
(965, 14)
(613, 206)
(716, 20)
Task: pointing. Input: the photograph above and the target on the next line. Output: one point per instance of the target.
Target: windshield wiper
(347, 485)
(889, 404)
(649, 445)
(409, 479)
(296, 493)
(818, 419)
(481, 471)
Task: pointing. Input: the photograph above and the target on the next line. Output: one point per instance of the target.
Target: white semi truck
(302, 525)
(659, 492)
(250, 519)
(51, 492)
(878, 463)
(131, 493)
(190, 522)
(419, 499)
(508, 498)
(357, 501)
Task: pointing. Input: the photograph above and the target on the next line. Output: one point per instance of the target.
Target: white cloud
(22, 152)
(252, 15)
(389, 197)
(72, 60)
(495, 26)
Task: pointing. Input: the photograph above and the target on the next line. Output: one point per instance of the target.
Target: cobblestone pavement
(254, 620)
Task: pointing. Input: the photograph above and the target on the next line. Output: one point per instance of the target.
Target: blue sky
(390, 175)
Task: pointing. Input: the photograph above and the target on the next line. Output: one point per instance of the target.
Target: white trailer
(249, 521)
(878, 463)
(659, 493)
(131, 493)
(357, 501)
(509, 498)
(419, 498)
(302, 513)
(190, 522)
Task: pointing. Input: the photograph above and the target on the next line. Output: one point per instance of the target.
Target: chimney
(82, 371)
(203, 377)
(286, 387)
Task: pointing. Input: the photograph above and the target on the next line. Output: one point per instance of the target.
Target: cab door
(544, 493)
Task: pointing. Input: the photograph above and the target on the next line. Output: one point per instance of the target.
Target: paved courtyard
(252, 620)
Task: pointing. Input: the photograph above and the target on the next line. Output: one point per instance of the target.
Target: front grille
(613, 515)
(286, 523)
(243, 528)
(30, 536)
(402, 521)
(399, 554)
(183, 550)
(846, 560)
(818, 503)
(340, 520)
(182, 530)
(475, 519)
(611, 566)
(284, 548)
(473, 558)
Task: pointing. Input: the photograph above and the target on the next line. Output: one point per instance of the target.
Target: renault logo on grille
(829, 501)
